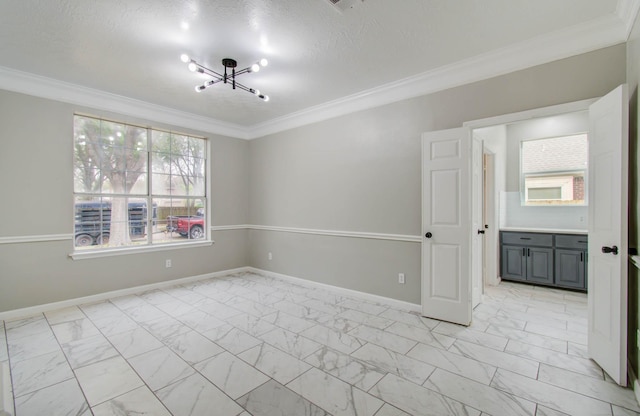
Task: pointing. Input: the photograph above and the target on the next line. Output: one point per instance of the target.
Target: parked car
(93, 221)
(191, 226)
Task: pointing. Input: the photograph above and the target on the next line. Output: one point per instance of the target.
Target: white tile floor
(252, 345)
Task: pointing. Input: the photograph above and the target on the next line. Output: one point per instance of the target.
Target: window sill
(92, 254)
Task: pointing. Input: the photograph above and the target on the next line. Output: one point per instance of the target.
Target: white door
(607, 260)
(477, 221)
(446, 225)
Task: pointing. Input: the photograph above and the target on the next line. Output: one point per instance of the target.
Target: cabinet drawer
(527, 239)
(571, 241)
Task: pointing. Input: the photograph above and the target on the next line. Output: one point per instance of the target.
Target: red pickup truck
(191, 226)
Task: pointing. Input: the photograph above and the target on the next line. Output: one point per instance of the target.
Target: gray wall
(361, 172)
(37, 199)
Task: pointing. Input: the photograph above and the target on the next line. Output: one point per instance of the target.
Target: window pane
(553, 170)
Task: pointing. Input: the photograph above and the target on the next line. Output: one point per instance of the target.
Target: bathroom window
(554, 170)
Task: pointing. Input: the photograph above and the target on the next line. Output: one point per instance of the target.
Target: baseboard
(33, 310)
(399, 304)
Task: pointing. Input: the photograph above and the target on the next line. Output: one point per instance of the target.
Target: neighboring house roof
(558, 154)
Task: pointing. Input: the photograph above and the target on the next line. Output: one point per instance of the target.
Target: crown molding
(39, 86)
(586, 37)
(574, 40)
(627, 11)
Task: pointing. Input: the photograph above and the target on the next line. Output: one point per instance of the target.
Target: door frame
(542, 112)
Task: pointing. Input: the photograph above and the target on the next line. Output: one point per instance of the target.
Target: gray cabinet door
(570, 268)
(540, 265)
(513, 263)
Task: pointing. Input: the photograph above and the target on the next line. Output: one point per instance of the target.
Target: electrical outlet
(270, 256)
(167, 263)
(401, 278)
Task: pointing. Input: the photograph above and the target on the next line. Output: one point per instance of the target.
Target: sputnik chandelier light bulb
(229, 64)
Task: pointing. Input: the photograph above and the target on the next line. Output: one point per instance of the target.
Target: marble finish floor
(249, 345)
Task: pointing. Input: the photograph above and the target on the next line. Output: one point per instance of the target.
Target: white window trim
(93, 254)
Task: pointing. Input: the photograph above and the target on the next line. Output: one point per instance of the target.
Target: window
(553, 170)
(135, 186)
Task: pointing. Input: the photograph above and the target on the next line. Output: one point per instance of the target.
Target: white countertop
(544, 230)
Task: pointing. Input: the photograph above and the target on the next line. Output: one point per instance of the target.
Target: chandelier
(229, 65)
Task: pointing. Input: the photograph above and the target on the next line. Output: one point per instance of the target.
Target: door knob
(612, 249)
(428, 235)
(480, 231)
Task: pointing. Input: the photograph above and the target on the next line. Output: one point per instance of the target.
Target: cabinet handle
(582, 241)
(524, 251)
(529, 252)
(525, 238)
(581, 257)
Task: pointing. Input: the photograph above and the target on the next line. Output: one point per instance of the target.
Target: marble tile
(478, 395)
(140, 401)
(161, 367)
(291, 343)
(333, 395)
(59, 316)
(218, 310)
(278, 365)
(115, 324)
(232, 339)
(193, 347)
(453, 363)
(392, 362)
(195, 396)
(619, 411)
(365, 318)
(36, 373)
(135, 342)
(345, 367)
(107, 379)
(556, 359)
(74, 330)
(175, 307)
(274, 399)
(549, 396)
(100, 310)
(231, 375)
(251, 324)
(388, 410)
(542, 341)
(421, 334)
(550, 321)
(481, 338)
(362, 306)
(409, 318)
(303, 312)
(499, 320)
(253, 308)
(496, 358)
(566, 335)
(340, 324)
(27, 326)
(545, 411)
(337, 340)
(598, 389)
(30, 346)
(145, 313)
(87, 351)
(329, 308)
(417, 400)
(63, 398)
(165, 328)
(156, 297)
(288, 322)
(384, 339)
(128, 302)
(578, 350)
(200, 321)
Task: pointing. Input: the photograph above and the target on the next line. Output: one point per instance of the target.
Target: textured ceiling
(316, 53)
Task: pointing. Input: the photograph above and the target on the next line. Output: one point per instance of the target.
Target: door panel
(540, 265)
(607, 272)
(446, 218)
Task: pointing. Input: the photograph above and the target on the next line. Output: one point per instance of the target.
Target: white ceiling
(321, 61)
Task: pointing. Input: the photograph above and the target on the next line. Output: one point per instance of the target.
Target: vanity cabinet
(544, 258)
